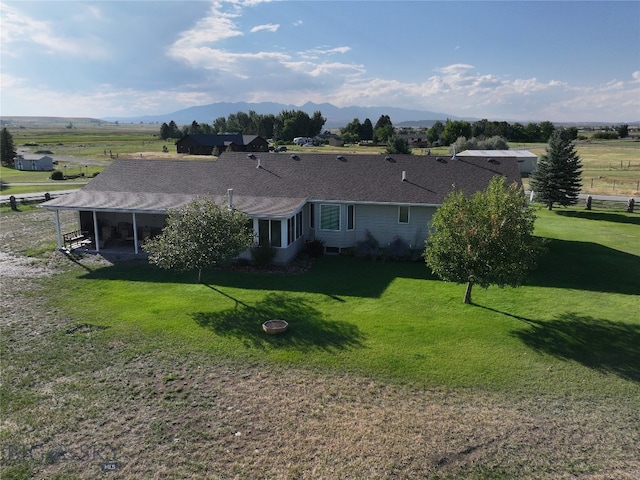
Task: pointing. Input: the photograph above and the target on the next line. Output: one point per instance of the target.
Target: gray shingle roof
(284, 182)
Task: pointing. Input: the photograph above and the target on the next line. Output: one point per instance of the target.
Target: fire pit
(275, 326)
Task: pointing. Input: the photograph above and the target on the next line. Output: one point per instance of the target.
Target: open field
(610, 167)
(384, 373)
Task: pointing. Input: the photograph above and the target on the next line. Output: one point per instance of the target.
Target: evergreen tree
(398, 145)
(165, 131)
(557, 176)
(7, 149)
(366, 130)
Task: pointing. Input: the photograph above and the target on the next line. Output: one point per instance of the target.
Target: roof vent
(404, 175)
(230, 195)
(389, 159)
(493, 160)
(342, 158)
(258, 165)
(441, 160)
(295, 157)
(251, 156)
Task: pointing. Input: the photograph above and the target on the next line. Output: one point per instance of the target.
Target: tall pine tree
(7, 149)
(557, 176)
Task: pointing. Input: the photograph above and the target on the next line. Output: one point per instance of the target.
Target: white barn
(527, 161)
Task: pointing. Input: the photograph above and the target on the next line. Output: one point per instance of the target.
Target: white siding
(382, 222)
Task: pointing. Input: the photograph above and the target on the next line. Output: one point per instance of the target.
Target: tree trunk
(550, 206)
(467, 293)
(199, 275)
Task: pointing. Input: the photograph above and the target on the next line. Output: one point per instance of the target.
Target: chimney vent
(404, 175)
(230, 195)
(258, 165)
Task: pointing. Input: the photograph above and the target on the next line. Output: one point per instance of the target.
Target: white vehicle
(302, 140)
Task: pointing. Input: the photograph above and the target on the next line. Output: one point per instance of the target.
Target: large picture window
(330, 217)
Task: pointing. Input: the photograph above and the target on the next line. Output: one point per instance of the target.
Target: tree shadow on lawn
(587, 266)
(597, 343)
(593, 215)
(308, 329)
(331, 276)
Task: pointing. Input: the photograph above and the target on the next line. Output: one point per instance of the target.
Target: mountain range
(337, 117)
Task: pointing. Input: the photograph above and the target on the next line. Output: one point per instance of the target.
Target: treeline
(284, 127)
(448, 132)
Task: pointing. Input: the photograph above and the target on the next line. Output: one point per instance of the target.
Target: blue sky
(507, 60)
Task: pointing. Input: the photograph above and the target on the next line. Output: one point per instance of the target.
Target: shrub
(398, 249)
(369, 247)
(57, 175)
(605, 135)
(315, 248)
(263, 255)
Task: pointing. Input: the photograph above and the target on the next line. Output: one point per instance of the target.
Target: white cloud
(19, 30)
(269, 27)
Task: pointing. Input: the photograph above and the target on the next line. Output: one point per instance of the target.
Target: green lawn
(575, 327)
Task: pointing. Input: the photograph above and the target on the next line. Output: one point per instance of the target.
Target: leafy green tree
(557, 178)
(623, 131)
(485, 240)
(454, 130)
(383, 134)
(7, 149)
(220, 125)
(351, 130)
(200, 235)
(398, 145)
(434, 133)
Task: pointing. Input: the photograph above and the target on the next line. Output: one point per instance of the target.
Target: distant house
(332, 139)
(214, 144)
(33, 162)
(290, 199)
(526, 160)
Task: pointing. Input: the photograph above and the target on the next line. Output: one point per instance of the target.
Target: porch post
(58, 235)
(135, 234)
(284, 232)
(95, 230)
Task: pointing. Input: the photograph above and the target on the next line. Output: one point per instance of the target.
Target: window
(269, 233)
(403, 214)
(351, 216)
(299, 224)
(330, 217)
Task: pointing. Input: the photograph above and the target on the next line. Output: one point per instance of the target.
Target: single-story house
(331, 139)
(290, 199)
(206, 144)
(41, 163)
(527, 161)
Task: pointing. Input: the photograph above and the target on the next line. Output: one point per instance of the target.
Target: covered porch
(110, 231)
